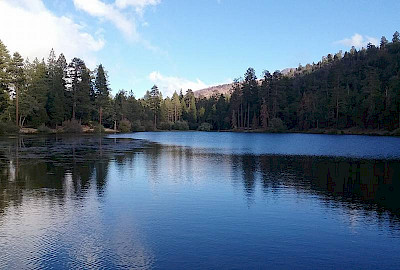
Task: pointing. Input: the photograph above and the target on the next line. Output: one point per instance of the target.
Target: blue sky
(192, 44)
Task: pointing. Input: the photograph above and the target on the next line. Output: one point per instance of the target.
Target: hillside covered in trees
(359, 89)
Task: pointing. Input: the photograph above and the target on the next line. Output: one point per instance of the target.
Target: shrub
(205, 127)
(166, 125)
(181, 125)
(72, 126)
(98, 128)
(8, 128)
(137, 126)
(396, 132)
(125, 126)
(43, 129)
(149, 125)
(193, 126)
(277, 125)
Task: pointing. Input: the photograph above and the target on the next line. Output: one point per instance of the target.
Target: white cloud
(139, 5)
(33, 30)
(169, 84)
(114, 13)
(358, 41)
(99, 9)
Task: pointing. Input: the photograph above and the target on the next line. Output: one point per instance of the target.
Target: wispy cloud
(358, 41)
(139, 5)
(119, 14)
(110, 13)
(28, 36)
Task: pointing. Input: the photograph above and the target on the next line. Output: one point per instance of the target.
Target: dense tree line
(51, 92)
(358, 89)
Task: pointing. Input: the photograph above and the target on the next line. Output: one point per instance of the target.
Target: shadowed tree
(396, 37)
(155, 103)
(4, 79)
(17, 81)
(102, 90)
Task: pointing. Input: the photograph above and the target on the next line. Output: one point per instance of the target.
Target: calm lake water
(194, 200)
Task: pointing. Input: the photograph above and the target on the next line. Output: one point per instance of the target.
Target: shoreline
(33, 131)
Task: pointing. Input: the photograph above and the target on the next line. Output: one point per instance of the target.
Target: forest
(355, 90)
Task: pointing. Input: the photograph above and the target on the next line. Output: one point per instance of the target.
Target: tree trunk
(337, 112)
(248, 116)
(16, 106)
(238, 119)
(241, 115)
(73, 110)
(176, 115)
(100, 115)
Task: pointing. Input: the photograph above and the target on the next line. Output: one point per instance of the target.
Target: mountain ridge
(226, 89)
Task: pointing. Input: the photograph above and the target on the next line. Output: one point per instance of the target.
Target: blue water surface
(194, 200)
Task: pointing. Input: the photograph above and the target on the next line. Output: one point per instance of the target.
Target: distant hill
(226, 89)
(288, 71)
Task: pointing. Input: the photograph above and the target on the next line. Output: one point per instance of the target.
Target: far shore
(351, 131)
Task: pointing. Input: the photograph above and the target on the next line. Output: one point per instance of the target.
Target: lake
(196, 200)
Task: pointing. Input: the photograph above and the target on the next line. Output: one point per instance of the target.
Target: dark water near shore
(195, 200)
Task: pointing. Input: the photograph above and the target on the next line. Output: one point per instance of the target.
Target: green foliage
(166, 125)
(205, 127)
(98, 128)
(277, 125)
(137, 126)
(72, 126)
(125, 126)
(356, 90)
(8, 128)
(44, 129)
(149, 125)
(154, 103)
(181, 125)
(5, 78)
(56, 97)
(102, 91)
(396, 132)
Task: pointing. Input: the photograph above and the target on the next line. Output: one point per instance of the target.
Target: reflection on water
(96, 202)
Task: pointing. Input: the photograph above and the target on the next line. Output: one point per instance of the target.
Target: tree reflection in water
(62, 166)
(66, 173)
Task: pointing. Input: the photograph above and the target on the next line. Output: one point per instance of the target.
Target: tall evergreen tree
(4, 79)
(396, 37)
(73, 77)
(383, 43)
(56, 96)
(18, 81)
(102, 90)
(155, 102)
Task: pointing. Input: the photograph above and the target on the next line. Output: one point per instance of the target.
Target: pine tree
(4, 78)
(17, 80)
(155, 102)
(177, 109)
(56, 96)
(102, 90)
(383, 43)
(73, 77)
(264, 115)
(396, 37)
(250, 93)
